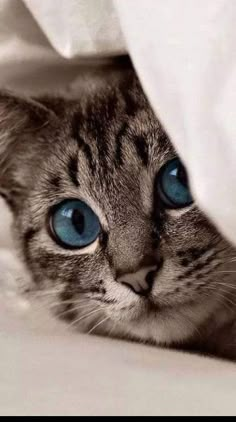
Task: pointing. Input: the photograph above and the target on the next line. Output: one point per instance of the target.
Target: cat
(105, 221)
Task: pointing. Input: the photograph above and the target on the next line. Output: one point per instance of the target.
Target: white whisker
(71, 302)
(86, 316)
(232, 259)
(98, 324)
(230, 286)
(226, 300)
(75, 308)
(112, 328)
(45, 293)
(191, 324)
(224, 271)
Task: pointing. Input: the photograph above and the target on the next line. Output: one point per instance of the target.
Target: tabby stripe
(142, 149)
(87, 152)
(27, 239)
(131, 106)
(83, 146)
(119, 144)
(75, 125)
(73, 170)
(199, 266)
(97, 125)
(194, 253)
(108, 112)
(102, 147)
(55, 182)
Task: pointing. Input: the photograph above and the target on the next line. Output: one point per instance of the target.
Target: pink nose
(141, 281)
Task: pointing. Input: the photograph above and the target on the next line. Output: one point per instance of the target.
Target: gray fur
(106, 148)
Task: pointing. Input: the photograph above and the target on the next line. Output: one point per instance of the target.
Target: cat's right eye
(73, 224)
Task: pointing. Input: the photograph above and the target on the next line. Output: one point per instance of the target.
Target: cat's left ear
(21, 120)
(18, 114)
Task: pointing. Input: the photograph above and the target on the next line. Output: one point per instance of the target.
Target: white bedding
(48, 371)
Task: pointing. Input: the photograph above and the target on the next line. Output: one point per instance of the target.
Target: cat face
(104, 218)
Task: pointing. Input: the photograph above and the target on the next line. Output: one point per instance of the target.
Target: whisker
(98, 324)
(229, 300)
(86, 316)
(75, 308)
(112, 328)
(225, 298)
(46, 293)
(71, 302)
(224, 271)
(79, 304)
(220, 294)
(230, 286)
(191, 324)
(220, 297)
(232, 259)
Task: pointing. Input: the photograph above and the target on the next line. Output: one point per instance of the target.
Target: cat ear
(17, 114)
(20, 120)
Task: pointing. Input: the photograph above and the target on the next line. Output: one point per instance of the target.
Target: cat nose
(141, 281)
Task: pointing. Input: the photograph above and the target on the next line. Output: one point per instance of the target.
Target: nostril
(150, 279)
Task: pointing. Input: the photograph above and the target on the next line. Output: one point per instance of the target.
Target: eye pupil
(182, 176)
(73, 224)
(78, 221)
(173, 186)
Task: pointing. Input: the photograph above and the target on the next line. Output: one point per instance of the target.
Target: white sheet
(87, 27)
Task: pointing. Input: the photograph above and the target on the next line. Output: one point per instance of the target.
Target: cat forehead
(105, 150)
(101, 154)
(111, 126)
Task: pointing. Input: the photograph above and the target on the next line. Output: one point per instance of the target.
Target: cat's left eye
(73, 224)
(173, 185)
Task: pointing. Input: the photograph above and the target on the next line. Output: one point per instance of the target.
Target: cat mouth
(149, 306)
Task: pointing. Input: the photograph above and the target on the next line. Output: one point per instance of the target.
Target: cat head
(104, 217)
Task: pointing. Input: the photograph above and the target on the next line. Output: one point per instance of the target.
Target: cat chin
(174, 326)
(161, 332)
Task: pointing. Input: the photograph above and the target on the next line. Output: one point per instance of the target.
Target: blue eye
(173, 185)
(74, 225)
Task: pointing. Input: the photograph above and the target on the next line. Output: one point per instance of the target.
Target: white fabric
(45, 369)
(36, 41)
(185, 54)
(78, 28)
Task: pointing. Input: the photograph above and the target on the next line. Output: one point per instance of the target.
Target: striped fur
(105, 146)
